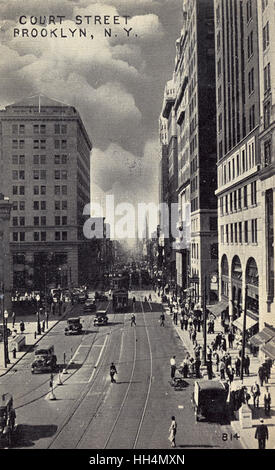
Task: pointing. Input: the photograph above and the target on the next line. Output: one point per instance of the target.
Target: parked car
(7, 419)
(209, 399)
(74, 326)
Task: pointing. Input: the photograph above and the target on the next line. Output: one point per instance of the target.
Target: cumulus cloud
(115, 83)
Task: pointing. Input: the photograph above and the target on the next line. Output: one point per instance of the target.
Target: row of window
(39, 128)
(40, 159)
(39, 144)
(238, 164)
(39, 174)
(40, 205)
(39, 236)
(40, 190)
(238, 199)
(240, 232)
(58, 220)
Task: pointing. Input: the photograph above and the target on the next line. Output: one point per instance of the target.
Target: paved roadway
(89, 411)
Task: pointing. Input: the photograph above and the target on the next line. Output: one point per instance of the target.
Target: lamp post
(6, 349)
(38, 315)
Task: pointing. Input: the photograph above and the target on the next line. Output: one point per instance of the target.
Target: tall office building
(266, 21)
(189, 108)
(240, 215)
(45, 171)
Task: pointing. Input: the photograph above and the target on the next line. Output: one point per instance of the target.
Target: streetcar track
(64, 379)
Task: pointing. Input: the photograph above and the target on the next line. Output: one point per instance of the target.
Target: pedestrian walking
(113, 371)
(133, 319)
(181, 321)
(173, 367)
(173, 431)
(217, 360)
(238, 367)
(261, 434)
(209, 370)
(246, 364)
(267, 401)
(161, 319)
(13, 319)
(134, 300)
(255, 390)
(261, 374)
(222, 370)
(22, 327)
(231, 338)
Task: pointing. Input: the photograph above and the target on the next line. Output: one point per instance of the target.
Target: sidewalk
(31, 340)
(246, 435)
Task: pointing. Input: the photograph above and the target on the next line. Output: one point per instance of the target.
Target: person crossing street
(113, 371)
(133, 319)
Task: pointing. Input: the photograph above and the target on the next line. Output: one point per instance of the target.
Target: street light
(38, 315)
(6, 349)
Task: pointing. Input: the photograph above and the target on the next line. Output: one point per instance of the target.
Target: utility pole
(244, 330)
(204, 324)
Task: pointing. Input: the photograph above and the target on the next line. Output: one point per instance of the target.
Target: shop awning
(262, 337)
(249, 322)
(218, 308)
(269, 348)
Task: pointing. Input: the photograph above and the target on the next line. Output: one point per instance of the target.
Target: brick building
(45, 171)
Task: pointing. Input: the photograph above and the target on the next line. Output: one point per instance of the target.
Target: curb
(39, 339)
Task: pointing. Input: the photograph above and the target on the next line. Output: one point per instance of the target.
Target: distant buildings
(45, 171)
(189, 108)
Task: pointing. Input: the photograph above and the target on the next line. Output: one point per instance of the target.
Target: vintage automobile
(209, 399)
(101, 318)
(74, 326)
(120, 300)
(101, 296)
(90, 305)
(45, 360)
(7, 419)
(81, 297)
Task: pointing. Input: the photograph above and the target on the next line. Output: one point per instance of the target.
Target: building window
(266, 36)
(57, 236)
(57, 174)
(22, 236)
(227, 233)
(219, 67)
(267, 81)
(36, 159)
(36, 174)
(245, 196)
(252, 117)
(43, 190)
(246, 231)
(36, 221)
(43, 220)
(21, 174)
(64, 220)
(64, 190)
(254, 237)
(251, 81)
(42, 174)
(57, 220)
(21, 205)
(236, 232)
(240, 233)
(43, 205)
(248, 10)
(64, 205)
(36, 205)
(267, 152)
(43, 236)
(36, 236)
(231, 233)
(253, 193)
(267, 113)
(64, 174)
(57, 159)
(222, 234)
(14, 174)
(22, 221)
(60, 128)
(250, 44)
(15, 237)
(15, 221)
(64, 236)
(239, 198)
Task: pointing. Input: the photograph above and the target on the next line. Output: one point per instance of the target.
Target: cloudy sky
(116, 82)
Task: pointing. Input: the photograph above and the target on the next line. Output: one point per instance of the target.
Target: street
(90, 411)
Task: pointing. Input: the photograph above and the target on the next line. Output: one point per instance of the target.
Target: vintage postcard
(137, 228)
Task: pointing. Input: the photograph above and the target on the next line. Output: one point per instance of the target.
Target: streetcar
(120, 300)
(7, 419)
(209, 399)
